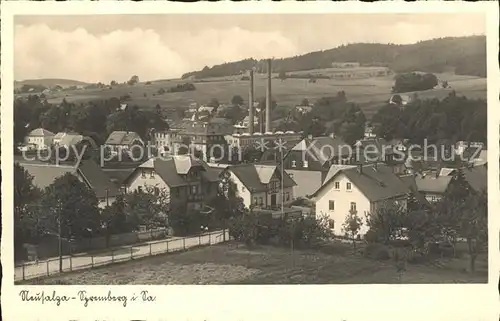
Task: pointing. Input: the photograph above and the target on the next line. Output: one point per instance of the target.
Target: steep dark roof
(433, 184)
(324, 148)
(249, 175)
(477, 177)
(96, 179)
(122, 138)
(411, 184)
(173, 169)
(377, 183)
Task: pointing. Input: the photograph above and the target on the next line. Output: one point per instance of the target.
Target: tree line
(451, 119)
(463, 55)
(96, 119)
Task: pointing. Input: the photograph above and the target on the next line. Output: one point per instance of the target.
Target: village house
(361, 188)
(207, 137)
(39, 138)
(259, 185)
(86, 171)
(123, 141)
(68, 139)
(186, 179)
(371, 151)
(309, 160)
(476, 176)
(242, 126)
(304, 109)
(433, 187)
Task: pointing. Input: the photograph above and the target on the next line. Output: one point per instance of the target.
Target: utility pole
(60, 241)
(282, 178)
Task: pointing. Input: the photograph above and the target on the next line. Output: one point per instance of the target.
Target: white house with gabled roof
(39, 138)
(363, 188)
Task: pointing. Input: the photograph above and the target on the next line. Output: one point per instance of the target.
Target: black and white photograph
(222, 149)
(159, 159)
(241, 150)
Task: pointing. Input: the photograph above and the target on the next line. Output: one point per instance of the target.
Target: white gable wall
(342, 198)
(137, 180)
(242, 191)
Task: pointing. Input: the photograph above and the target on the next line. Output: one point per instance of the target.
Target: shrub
(377, 251)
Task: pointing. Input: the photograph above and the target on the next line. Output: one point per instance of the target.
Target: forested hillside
(464, 55)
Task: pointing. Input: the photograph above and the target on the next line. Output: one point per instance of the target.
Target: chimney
(250, 105)
(268, 97)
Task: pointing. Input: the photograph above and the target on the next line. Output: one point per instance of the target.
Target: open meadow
(369, 93)
(233, 263)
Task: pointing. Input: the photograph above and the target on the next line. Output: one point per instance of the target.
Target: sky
(102, 48)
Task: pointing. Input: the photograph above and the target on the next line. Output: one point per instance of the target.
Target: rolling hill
(461, 55)
(49, 82)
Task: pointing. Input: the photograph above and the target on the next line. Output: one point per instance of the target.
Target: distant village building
(208, 137)
(345, 64)
(433, 187)
(39, 139)
(186, 179)
(400, 100)
(68, 139)
(259, 185)
(123, 141)
(243, 126)
(259, 140)
(304, 109)
(361, 188)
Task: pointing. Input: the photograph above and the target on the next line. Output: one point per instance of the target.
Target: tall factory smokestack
(250, 105)
(268, 97)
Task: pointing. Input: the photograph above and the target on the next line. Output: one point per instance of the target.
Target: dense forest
(463, 55)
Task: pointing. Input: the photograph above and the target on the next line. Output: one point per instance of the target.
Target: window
(331, 205)
(433, 198)
(306, 164)
(331, 224)
(194, 189)
(152, 174)
(243, 188)
(157, 191)
(348, 186)
(294, 163)
(255, 200)
(353, 206)
(261, 201)
(139, 189)
(337, 185)
(143, 174)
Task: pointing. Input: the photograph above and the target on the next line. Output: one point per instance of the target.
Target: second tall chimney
(250, 105)
(268, 97)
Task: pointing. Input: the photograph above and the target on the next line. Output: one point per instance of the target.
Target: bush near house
(303, 232)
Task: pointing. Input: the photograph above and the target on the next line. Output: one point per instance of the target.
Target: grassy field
(369, 93)
(235, 264)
